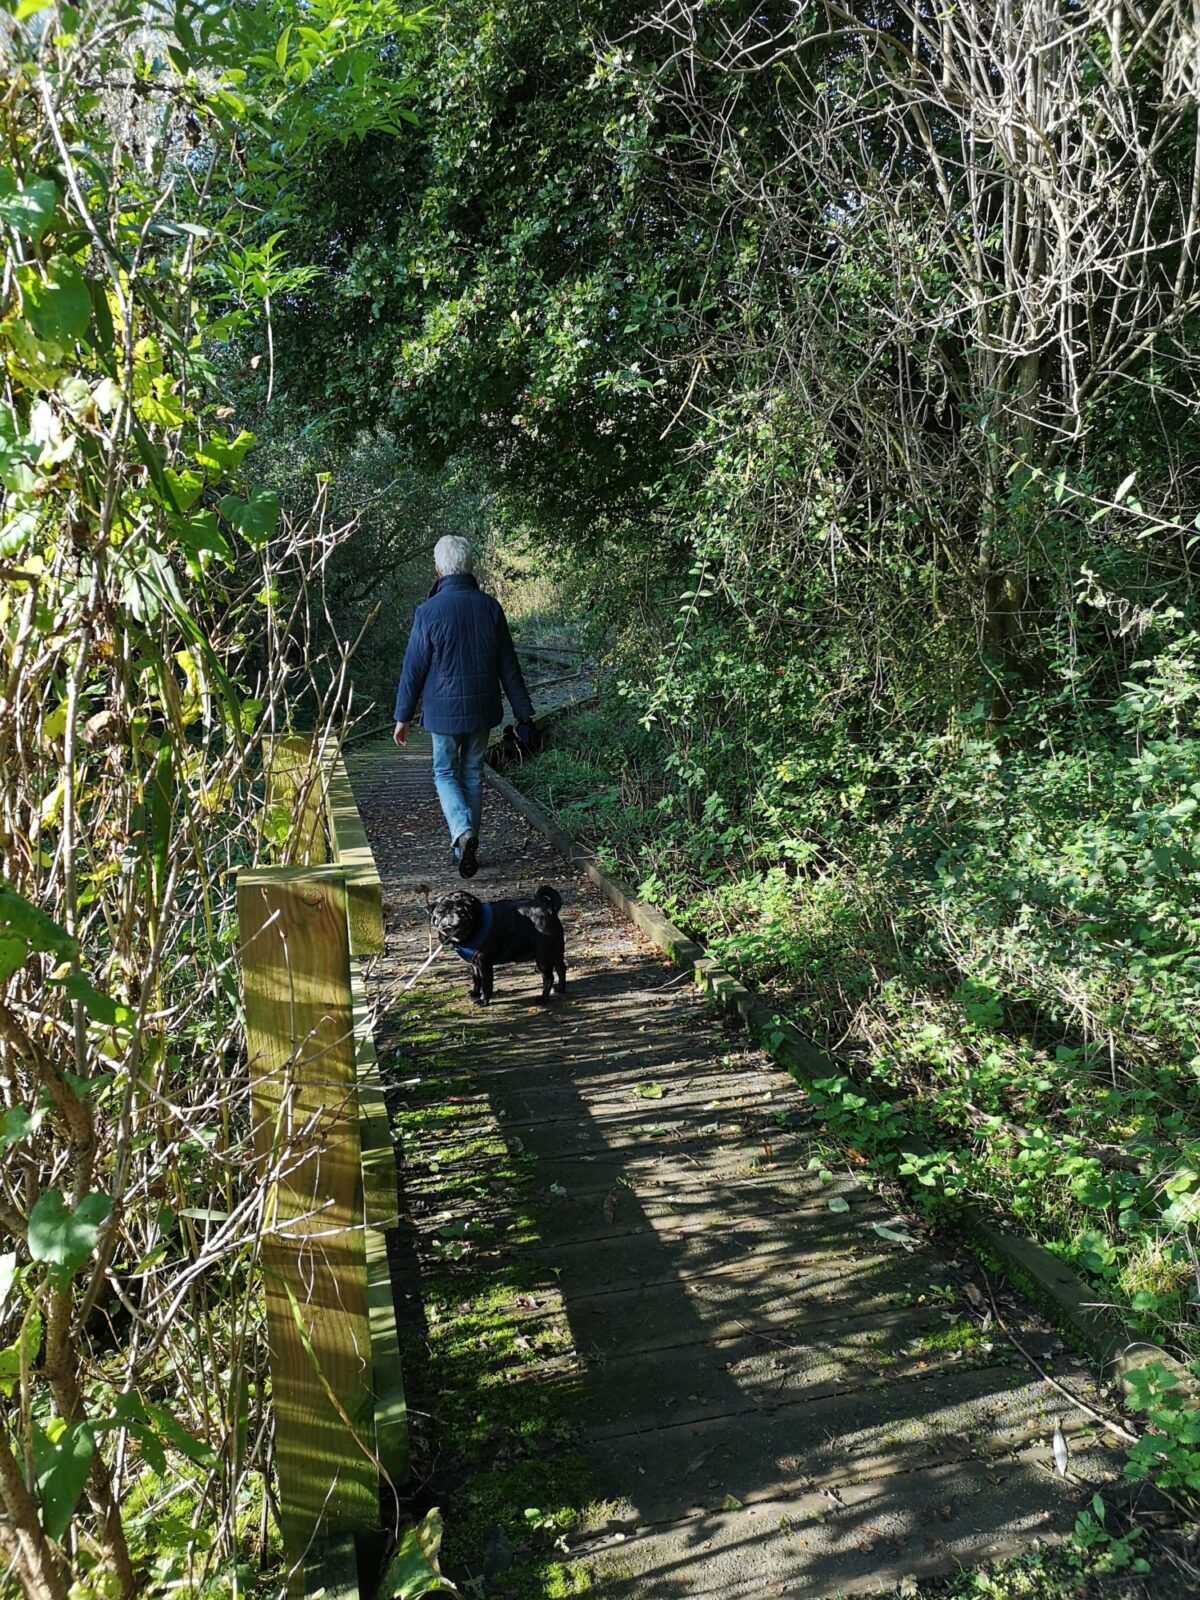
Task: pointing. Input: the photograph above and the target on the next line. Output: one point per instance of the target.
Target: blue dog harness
(502, 927)
(482, 935)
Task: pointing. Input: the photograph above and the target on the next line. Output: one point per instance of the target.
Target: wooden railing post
(300, 1037)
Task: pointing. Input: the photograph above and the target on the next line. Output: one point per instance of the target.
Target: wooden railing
(323, 1144)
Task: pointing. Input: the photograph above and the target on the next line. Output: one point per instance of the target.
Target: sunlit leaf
(62, 1459)
(256, 518)
(27, 206)
(55, 301)
(62, 1237)
(100, 1007)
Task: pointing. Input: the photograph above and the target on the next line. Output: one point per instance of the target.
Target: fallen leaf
(610, 1206)
(731, 1503)
(1062, 1455)
(839, 1203)
(895, 1235)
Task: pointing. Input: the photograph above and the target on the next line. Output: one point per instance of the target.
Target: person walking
(459, 653)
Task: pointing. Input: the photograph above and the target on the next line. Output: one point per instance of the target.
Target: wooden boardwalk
(772, 1395)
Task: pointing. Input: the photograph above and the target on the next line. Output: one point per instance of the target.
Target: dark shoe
(468, 859)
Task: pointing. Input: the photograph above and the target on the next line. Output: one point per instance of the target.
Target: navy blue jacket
(459, 653)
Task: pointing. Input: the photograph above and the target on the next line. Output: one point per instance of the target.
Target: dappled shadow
(774, 1395)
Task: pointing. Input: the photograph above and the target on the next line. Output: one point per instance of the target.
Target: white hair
(452, 554)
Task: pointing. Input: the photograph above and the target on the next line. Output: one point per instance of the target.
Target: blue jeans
(458, 777)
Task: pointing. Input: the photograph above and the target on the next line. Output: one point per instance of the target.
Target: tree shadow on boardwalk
(773, 1397)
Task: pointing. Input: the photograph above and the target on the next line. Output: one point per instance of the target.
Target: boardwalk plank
(771, 1394)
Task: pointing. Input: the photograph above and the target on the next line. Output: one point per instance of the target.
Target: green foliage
(493, 292)
(397, 508)
(1170, 1455)
(141, 196)
(62, 1459)
(65, 1237)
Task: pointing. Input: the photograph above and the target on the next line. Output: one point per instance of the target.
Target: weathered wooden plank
(330, 1569)
(352, 852)
(295, 784)
(300, 1037)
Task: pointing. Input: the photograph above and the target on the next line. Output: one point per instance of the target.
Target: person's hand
(401, 733)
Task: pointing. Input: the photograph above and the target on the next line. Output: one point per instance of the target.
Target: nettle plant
(156, 624)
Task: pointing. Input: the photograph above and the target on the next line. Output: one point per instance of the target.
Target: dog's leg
(476, 984)
(486, 981)
(560, 967)
(547, 973)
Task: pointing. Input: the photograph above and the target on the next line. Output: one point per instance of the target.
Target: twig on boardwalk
(428, 962)
(1080, 1405)
(678, 978)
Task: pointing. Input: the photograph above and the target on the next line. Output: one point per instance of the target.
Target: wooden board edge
(391, 1403)
(351, 849)
(380, 1215)
(380, 1200)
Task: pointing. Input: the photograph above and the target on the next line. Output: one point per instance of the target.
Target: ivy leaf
(186, 486)
(164, 413)
(255, 519)
(200, 535)
(27, 206)
(62, 1237)
(220, 456)
(62, 1459)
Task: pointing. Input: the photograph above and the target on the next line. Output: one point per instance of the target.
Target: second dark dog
(519, 742)
(489, 933)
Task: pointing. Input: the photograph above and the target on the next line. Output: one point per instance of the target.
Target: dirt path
(662, 1350)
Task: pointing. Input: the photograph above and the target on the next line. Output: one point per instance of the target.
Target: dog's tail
(551, 897)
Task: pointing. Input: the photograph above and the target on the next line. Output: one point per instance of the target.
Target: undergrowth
(1002, 936)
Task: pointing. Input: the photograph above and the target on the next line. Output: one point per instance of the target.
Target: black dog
(519, 741)
(488, 933)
